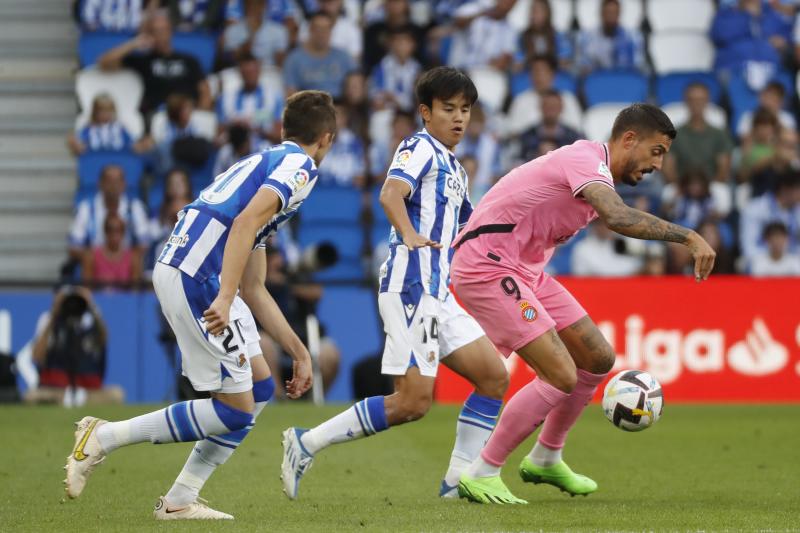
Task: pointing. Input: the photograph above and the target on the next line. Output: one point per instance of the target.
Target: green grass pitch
(709, 468)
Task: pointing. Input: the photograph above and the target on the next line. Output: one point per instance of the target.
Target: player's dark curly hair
(308, 116)
(443, 83)
(644, 119)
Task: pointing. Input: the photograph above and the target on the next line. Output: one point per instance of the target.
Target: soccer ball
(633, 400)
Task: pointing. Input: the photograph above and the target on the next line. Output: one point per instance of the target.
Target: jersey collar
(437, 142)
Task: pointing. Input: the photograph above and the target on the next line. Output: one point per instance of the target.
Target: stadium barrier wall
(729, 339)
(138, 362)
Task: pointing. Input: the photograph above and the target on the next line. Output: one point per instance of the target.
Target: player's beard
(627, 174)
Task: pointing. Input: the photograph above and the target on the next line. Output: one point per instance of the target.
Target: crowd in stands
(214, 75)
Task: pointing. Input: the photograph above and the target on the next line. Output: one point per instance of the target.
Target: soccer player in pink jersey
(498, 275)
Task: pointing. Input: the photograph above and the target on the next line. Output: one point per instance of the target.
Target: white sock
(475, 423)
(363, 419)
(541, 455)
(180, 422)
(480, 468)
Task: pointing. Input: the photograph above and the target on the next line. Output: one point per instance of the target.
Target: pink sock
(563, 417)
(522, 415)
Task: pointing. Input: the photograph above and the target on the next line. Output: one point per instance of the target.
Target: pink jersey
(532, 209)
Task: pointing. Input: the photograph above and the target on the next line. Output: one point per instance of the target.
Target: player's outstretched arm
(631, 222)
(261, 208)
(269, 315)
(392, 194)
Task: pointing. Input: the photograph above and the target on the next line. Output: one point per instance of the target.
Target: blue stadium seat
(521, 82)
(201, 45)
(378, 214)
(379, 233)
(328, 203)
(670, 87)
(614, 86)
(347, 238)
(346, 269)
(93, 44)
(91, 163)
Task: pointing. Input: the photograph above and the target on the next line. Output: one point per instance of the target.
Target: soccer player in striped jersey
(425, 198)
(215, 252)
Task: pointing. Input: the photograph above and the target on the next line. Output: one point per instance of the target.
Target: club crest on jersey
(604, 171)
(299, 180)
(178, 240)
(529, 313)
(402, 158)
(242, 360)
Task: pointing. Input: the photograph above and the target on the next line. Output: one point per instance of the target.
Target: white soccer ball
(633, 400)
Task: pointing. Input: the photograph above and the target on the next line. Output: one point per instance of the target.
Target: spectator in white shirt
(776, 260)
(782, 205)
(484, 36)
(601, 253)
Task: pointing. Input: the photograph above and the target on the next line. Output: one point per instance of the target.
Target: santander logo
(667, 353)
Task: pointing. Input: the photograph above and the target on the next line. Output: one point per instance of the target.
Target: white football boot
(86, 455)
(197, 510)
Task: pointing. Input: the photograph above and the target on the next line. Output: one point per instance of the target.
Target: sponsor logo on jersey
(299, 180)
(178, 240)
(529, 313)
(402, 158)
(604, 171)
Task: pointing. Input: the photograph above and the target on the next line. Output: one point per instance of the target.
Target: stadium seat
(328, 203)
(345, 270)
(679, 114)
(607, 86)
(347, 238)
(93, 44)
(198, 44)
(597, 120)
(670, 87)
(681, 52)
(680, 15)
(518, 17)
(492, 87)
(588, 14)
(90, 164)
(124, 86)
(378, 214)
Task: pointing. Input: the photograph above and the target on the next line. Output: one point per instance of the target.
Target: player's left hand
(703, 255)
(217, 316)
(301, 378)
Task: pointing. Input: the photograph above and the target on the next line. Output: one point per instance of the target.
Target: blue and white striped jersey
(437, 207)
(197, 243)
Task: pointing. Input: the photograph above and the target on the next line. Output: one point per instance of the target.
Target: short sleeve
(582, 166)
(293, 174)
(411, 161)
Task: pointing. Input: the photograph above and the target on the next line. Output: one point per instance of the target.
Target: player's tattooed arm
(629, 221)
(634, 223)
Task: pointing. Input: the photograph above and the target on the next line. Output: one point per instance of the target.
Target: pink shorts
(512, 310)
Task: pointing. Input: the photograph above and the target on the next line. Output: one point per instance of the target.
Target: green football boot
(486, 490)
(559, 475)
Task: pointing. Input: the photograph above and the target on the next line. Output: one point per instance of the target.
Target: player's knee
(604, 359)
(233, 417)
(494, 384)
(564, 379)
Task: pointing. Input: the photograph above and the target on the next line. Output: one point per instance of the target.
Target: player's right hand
(302, 377)
(217, 316)
(703, 255)
(415, 240)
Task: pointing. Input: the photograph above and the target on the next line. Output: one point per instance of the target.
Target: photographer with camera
(69, 350)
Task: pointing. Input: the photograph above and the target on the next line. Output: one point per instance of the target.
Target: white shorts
(212, 363)
(422, 330)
